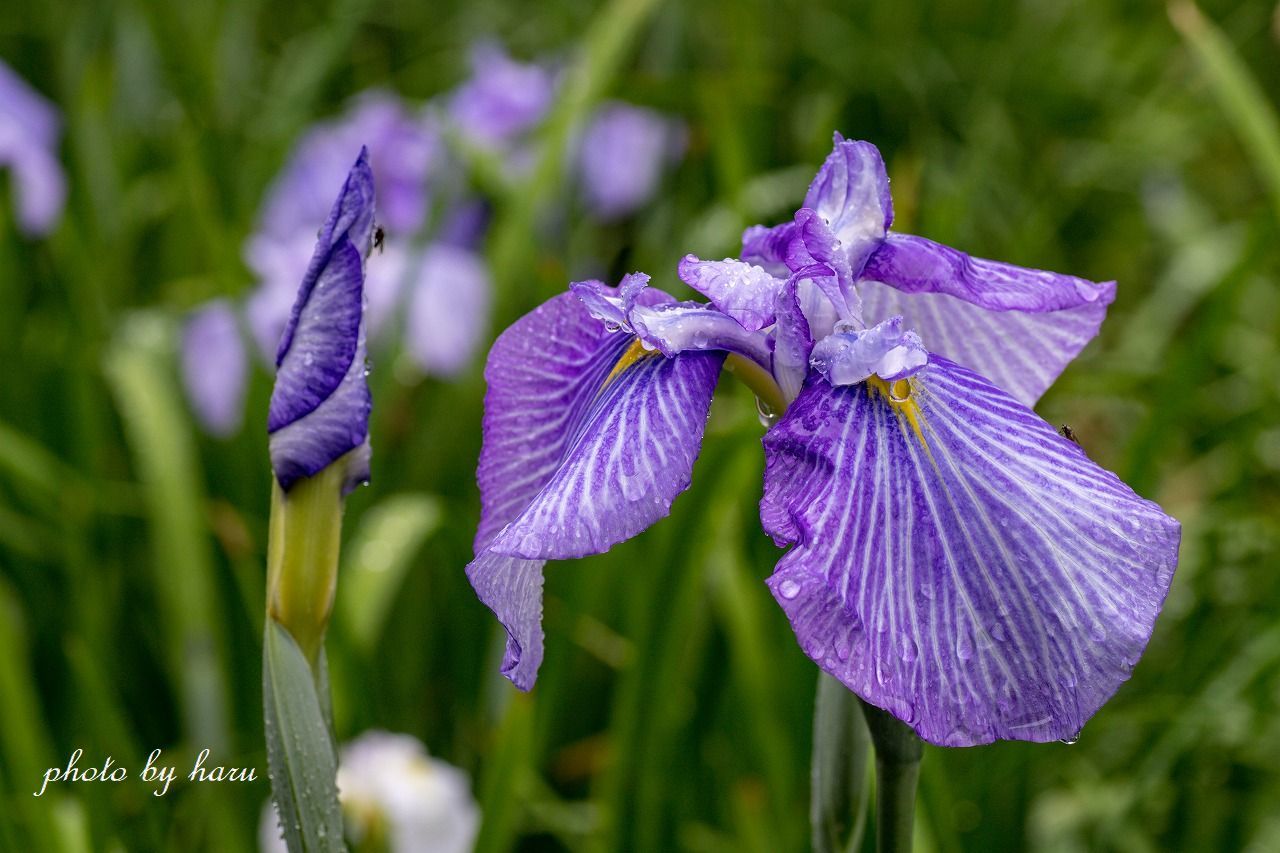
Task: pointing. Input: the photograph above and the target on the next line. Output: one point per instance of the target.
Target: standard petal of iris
(957, 562)
(851, 195)
(743, 291)
(1018, 327)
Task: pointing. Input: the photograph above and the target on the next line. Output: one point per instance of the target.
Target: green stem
(838, 803)
(302, 556)
(759, 380)
(898, 754)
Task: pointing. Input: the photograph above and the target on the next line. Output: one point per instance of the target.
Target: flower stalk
(898, 754)
(302, 557)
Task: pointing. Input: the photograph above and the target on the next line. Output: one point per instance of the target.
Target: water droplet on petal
(788, 589)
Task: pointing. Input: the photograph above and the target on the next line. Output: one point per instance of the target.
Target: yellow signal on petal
(633, 353)
(899, 396)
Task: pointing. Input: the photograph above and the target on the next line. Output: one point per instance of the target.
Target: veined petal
(320, 404)
(631, 456)
(885, 350)
(512, 589)
(743, 291)
(767, 246)
(817, 252)
(792, 341)
(957, 562)
(612, 305)
(851, 196)
(678, 327)
(1018, 327)
(587, 440)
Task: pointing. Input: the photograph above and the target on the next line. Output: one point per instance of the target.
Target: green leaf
(301, 756)
(1243, 101)
(838, 808)
(138, 369)
(377, 560)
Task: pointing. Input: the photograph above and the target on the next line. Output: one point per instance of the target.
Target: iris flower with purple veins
(953, 560)
(320, 404)
(29, 131)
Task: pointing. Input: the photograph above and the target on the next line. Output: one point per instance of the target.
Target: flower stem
(302, 556)
(898, 754)
(759, 380)
(838, 800)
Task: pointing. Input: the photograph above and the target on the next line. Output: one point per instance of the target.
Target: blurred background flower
(395, 798)
(30, 128)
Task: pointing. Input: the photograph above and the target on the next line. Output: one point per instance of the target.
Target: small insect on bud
(379, 238)
(1069, 434)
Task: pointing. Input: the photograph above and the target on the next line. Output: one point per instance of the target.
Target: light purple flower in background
(393, 792)
(622, 155)
(320, 404)
(953, 559)
(448, 309)
(29, 132)
(405, 150)
(215, 369)
(502, 99)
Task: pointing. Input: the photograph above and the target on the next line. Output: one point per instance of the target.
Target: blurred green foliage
(673, 711)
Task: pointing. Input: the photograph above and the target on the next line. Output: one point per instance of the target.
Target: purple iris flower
(502, 99)
(215, 369)
(320, 404)
(952, 559)
(622, 156)
(29, 131)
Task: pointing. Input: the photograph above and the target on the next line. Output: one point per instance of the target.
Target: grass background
(1127, 141)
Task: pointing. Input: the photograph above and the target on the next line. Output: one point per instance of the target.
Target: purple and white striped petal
(885, 350)
(631, 456)
(215, 369)
(1018, 327)
(956, 561)
(320, 404)
(588, 439)
(743, 291)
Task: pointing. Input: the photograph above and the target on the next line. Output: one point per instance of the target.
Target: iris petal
(743, 291)
(1019, 327)
(981, 578)
(587, 440)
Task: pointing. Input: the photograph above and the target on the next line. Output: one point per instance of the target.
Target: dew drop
(1070, 741)
(788, 589)
(909, 650)
(768, 417)
(843, 649)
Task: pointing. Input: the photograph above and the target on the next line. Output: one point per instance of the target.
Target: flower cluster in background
(396, 797)
(430, 293)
